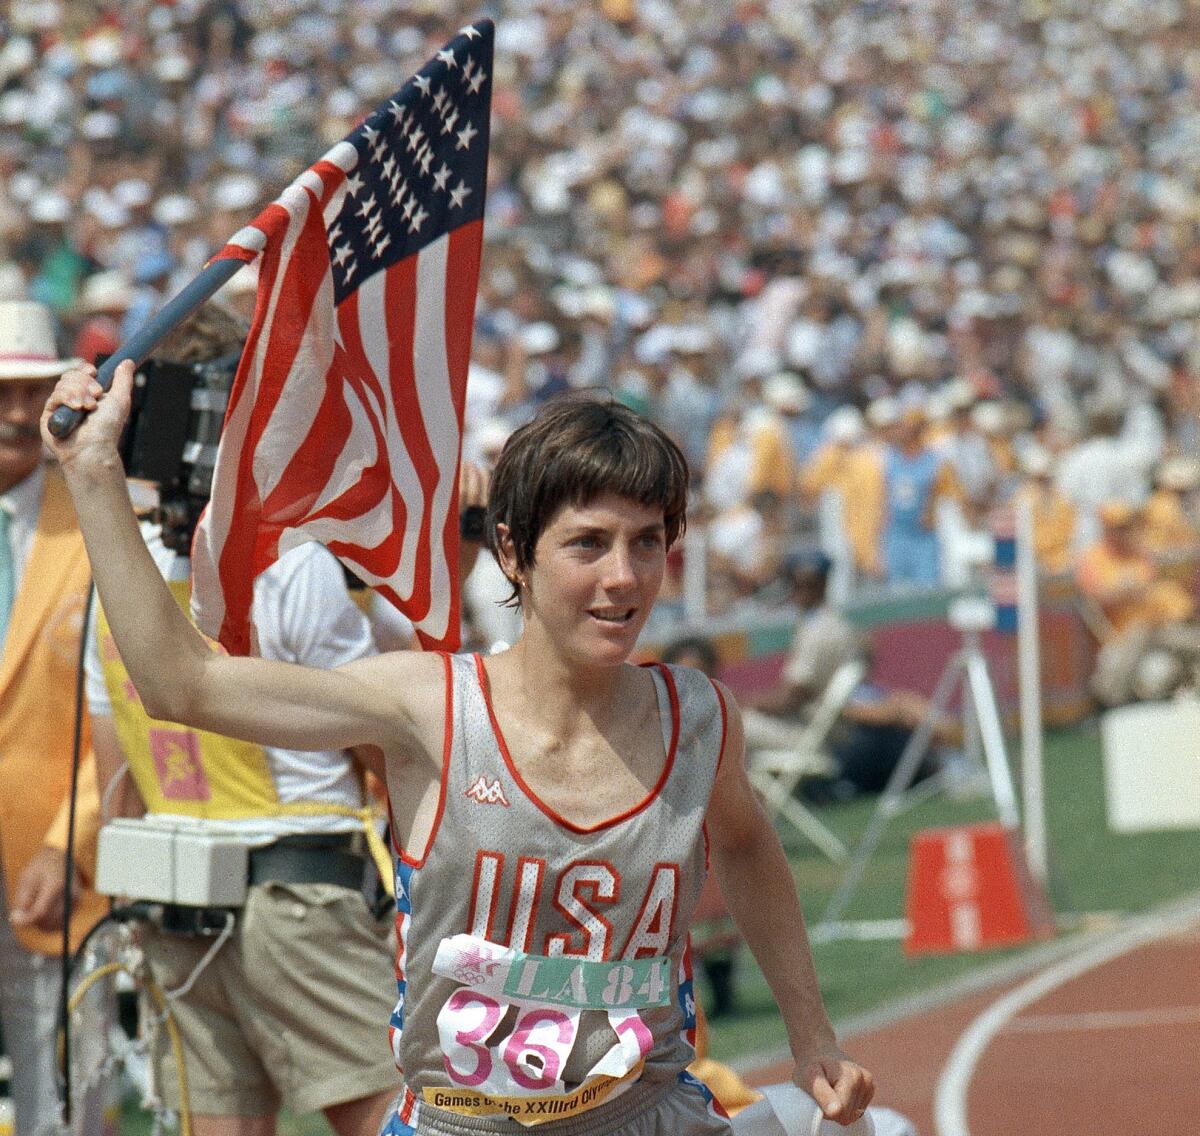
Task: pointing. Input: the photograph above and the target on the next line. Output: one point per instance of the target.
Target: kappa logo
(484, 792)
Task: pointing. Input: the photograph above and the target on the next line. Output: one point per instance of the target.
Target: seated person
(1170, 533)
(874, 725)
(1149, 635)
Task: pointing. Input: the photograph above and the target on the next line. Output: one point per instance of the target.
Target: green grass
(1092, 870)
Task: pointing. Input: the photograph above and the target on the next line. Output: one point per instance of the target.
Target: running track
(1097, 1036)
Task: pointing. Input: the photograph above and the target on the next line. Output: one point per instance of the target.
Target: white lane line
(950, 1099)
(1105, 1020)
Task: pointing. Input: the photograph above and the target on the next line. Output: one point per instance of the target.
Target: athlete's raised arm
(177, 675)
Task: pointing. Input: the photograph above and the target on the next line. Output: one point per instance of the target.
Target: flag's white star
(368, 206)
(441, 177)
(464, 137)
(381, 244)
(448, 124)
(389, 167)
(469, 67)
(477, 80)
(414, 139)
(340, 254)
(353, 184)
(335, 233)
(409, 206)
(439, 99)
(349, 269)
(447, 57)
(399, 192)
(470, 31)
(425, 158)
(369, 133)
(418, 219)
(423, 83)
(397, 111)
(459, 194)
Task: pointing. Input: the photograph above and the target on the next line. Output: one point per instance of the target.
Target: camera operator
(289, 1010)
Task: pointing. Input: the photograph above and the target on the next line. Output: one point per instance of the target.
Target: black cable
(64, 993)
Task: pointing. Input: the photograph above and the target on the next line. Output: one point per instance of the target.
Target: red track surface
(1111, 1051)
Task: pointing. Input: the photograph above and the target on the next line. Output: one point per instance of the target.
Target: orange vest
(37, 722)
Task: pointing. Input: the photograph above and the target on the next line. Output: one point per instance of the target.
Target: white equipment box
(1152, 765)
(173, 860)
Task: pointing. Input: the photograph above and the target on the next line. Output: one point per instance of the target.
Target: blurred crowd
(878, 266)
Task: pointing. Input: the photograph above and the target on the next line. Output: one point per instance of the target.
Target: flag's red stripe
(375, 485)
(247, 550)
(406, 400)
(462, 277)
(237, 587)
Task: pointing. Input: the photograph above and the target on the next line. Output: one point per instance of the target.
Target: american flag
(345, 418)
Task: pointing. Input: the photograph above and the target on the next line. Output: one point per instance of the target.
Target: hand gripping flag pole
(139, 345)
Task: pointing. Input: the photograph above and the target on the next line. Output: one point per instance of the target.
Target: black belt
(303, 859)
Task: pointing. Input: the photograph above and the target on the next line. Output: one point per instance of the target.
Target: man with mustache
(44, 582)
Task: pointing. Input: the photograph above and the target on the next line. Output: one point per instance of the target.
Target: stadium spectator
(845, 482)
(916, 478)
(1053, 514)
(1141, 611)
(43, 587)
(1169, 526)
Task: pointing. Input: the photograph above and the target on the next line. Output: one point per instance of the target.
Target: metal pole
(65, 420)
(1029, 686)
(992, 734)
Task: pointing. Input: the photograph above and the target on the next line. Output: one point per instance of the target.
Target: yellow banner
(531, 1110)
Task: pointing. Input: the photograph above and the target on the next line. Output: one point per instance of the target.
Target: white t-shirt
(302, 613)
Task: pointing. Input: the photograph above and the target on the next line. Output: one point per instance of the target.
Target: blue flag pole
(139, 345)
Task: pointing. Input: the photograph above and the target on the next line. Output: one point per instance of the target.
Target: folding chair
(802, 752)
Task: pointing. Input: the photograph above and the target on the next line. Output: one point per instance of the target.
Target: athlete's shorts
(674, 1108)
(293, 1009)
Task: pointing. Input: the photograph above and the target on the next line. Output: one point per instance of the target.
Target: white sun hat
(27, 348)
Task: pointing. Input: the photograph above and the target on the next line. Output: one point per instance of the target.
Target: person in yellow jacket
(43, 589)
(847, 467)
(1053, 514)
(1169, 532)
(1144, 613)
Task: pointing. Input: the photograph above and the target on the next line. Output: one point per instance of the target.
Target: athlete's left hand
(841, 1086)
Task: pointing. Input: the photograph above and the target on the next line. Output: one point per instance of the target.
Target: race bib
(518, 1071)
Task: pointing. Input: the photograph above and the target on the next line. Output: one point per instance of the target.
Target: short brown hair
(575, 449)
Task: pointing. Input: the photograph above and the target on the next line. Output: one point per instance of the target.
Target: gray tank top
(550, 962)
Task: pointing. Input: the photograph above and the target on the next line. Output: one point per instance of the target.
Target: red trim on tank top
(672, 698)
(447, 743)
(724, 727)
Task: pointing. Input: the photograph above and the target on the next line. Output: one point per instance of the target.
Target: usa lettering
(583, 893)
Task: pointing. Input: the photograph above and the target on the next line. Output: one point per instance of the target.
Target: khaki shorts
(293, 1009)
